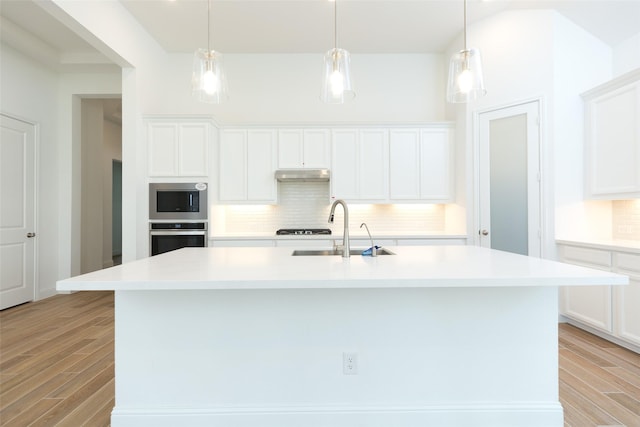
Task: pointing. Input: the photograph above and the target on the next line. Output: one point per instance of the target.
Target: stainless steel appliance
(178, 201)
(169, 236)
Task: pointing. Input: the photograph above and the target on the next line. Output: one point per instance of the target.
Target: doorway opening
(100, 191)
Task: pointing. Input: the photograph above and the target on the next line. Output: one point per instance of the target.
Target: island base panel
(426, 356)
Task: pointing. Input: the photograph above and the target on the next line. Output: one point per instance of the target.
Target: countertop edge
(630, 246)
(334, 236)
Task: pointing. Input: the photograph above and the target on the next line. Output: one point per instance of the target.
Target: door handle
(30, 235)
(484, 232)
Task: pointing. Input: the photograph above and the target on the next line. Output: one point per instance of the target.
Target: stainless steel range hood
(303, 175)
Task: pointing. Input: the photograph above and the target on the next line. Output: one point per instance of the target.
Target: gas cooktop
(303, 231)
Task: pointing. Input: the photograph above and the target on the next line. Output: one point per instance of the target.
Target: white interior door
(509, 179)
(17, 211)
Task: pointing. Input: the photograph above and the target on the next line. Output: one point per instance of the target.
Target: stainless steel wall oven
(168, 236)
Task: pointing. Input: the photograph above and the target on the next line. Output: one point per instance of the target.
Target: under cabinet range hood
(303, 175)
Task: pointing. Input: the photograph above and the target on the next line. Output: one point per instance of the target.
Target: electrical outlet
(350, 363)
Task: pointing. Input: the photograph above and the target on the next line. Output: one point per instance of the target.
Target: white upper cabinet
(178, 148)
(304, 148)
(344, 165)
(373, 169)
(247, 165)
(421, 164)
(359, 169)
(612, 139)
(404, 164)
(436, 160)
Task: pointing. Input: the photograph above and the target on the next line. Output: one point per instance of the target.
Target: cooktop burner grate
(303, 231)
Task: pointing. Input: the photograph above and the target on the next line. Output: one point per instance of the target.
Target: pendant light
(465, 72)
(336, 82)
(208, 82)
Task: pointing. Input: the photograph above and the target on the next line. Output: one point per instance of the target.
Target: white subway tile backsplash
(307, 205)
(626, 219)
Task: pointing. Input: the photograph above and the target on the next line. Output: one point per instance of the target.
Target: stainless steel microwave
(178, 201)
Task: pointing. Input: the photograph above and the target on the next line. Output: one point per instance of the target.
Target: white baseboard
(479, 415)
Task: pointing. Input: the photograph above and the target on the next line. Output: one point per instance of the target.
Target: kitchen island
(430, 336)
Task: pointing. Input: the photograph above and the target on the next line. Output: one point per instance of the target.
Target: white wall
(29, 91)
(580, 62)
(91, 192)
(516, 48)
(278, 88)
(539, 54)
(101, 143)
(35, 93)
(72, 89)
(626, 56)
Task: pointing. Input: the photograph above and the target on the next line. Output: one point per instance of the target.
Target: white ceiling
(303, 26)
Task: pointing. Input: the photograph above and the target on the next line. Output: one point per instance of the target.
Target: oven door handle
(178, 232)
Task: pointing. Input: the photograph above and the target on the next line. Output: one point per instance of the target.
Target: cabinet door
(613, 143)
(162, 149)
(233, 165)
(436, 165)
(588, 304)
(404, 158)
(261, 184)
(373, 154)
(627, 298)
(193, 149)
(344, 169)
(316, 148)
(290, 148)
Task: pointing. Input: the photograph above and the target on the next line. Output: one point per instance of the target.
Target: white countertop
(632, 246)
(276, 268)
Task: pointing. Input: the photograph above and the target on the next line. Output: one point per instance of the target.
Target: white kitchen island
(239, 337)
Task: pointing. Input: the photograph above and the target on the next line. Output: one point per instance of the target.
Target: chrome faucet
(345, 235)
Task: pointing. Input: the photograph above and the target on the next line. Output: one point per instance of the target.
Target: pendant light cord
(465, 24)
(335, 24)
(208, 27)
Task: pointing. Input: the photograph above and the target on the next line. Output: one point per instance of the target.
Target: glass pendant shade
(208, 82)
(465, 76)
(336, 82)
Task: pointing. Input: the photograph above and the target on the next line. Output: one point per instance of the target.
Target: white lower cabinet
(612, 310)
(627, 298)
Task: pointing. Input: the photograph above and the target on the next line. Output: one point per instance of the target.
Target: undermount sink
(336, 252)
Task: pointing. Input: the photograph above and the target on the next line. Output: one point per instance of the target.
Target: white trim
(476, 414)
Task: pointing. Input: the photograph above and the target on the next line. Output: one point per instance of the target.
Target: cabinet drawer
(588, 257)
(628, 262)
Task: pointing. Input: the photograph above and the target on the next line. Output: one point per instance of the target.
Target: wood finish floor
(56, 368)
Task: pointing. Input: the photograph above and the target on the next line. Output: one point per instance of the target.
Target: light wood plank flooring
(56, 368)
